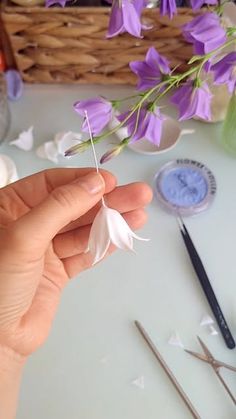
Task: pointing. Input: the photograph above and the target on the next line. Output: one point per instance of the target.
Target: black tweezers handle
(207, 288)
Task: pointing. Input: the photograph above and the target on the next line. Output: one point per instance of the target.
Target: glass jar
(4, 109)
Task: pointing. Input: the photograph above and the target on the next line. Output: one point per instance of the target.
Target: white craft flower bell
(109, 227)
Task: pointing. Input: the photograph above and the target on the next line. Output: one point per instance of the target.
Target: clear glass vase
(228, 134)
(4, 109)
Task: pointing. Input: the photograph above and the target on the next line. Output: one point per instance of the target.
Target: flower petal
(99, 239)
(119, 231)
(25, 141)
(116, 20)
(131, 19)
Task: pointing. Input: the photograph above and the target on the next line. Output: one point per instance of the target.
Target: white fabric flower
(8, 172)
(48, 150)
(25, 141)
(65, 140)
(109, 227)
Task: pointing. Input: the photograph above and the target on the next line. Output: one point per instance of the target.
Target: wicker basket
(68, 45)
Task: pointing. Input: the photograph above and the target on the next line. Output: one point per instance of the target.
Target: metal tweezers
(215, 364)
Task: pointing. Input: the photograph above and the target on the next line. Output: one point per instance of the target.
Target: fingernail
(92, 182)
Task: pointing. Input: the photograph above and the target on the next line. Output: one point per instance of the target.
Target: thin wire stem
(93, 148)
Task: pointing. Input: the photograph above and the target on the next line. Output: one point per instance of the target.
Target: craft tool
(206, 285)
(167, 370)
(215, 364)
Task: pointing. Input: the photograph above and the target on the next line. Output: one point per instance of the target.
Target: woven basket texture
(68, 45)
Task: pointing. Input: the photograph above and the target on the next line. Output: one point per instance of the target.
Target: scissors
(215, 364)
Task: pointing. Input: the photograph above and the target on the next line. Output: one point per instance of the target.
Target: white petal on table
(25, 141)
(48, 151)
(206, 320)
(8, 172)
(65, 140)
(175, 340)
(139, 382)
(212, 330)
(187, 131)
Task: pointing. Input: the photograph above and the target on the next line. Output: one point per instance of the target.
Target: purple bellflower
(49, 3)
(99, 113)
(125, 17)
(168, 7)
(193, 101)
(151, 70)
(205, 33)
(144, 124)
(224, 71)
(197, 4)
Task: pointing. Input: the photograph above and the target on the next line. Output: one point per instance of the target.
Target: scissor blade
(197, 355)
(205, 349)
(223, 364)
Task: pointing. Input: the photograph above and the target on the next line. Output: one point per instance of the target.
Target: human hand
(45, 221)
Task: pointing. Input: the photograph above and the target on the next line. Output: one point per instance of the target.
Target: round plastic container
(185, 187)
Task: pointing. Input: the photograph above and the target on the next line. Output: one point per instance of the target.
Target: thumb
(65, 204)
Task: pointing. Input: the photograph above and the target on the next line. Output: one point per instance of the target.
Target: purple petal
(205, 33)
(157, 61)
(116, 24)
(148, 77)
(15, 84)
(223, 69)
(154, 128)
(136, 124)
(49, 3)
(131, 19)
(139, 5)
(99, 113)
(193, 101)
(168, 7)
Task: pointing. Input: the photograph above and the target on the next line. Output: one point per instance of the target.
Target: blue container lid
(185, 187)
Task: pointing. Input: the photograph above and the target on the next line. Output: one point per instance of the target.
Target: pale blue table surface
(86, 368)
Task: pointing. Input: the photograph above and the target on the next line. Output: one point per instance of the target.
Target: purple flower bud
(205, 33)
(168, 7)
(144, 124)
(224, 71)
(125, 17)
(78, 148)
(151, 70)
(111, 153)
(99, 112)
(193, 101)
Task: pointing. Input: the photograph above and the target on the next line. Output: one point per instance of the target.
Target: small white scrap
(25, 141)
(65, 140)
(175, 340)
(139, 382)
(187, 131)
(48, 150)
(206, 320)
(109, 227)
(8, 172)
(212, 330)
